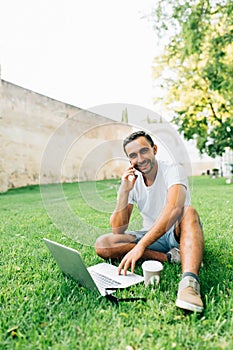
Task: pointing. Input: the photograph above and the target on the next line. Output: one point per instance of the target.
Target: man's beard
(148, 163)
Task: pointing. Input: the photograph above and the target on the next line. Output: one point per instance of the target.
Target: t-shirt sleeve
(131, 198)
(176, 175)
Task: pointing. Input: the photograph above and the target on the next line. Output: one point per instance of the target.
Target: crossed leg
(117, 245)
(188, 231)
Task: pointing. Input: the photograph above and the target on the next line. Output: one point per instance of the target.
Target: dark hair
(135, 135)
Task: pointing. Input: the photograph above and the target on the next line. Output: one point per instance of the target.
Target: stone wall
(45, 141)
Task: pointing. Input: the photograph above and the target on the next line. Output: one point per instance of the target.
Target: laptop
(102, 277)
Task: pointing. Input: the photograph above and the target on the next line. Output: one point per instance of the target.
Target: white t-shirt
(150, 200)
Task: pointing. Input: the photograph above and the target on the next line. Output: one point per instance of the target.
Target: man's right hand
(128, 179)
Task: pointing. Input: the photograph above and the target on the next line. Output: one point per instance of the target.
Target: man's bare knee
(103, 252)
(113, 245)
(191, 215)
(105, 241)
(102, 246)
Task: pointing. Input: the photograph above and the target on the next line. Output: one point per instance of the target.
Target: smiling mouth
(142, 166)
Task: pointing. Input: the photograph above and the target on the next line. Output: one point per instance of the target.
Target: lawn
(43, 309)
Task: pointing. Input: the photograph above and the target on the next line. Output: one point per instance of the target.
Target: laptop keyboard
(104, 281)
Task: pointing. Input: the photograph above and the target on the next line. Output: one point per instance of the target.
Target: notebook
(102, 277)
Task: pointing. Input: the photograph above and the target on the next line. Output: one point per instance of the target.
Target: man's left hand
(130, 259)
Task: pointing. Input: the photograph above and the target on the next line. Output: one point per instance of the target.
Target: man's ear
(155, 149)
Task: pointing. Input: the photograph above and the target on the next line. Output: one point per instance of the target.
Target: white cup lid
(152, 265)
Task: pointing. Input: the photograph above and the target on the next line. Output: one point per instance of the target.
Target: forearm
(120, 217)
(168, 217)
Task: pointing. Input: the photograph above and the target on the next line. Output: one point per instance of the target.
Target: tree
(196, 69)
(124, 116)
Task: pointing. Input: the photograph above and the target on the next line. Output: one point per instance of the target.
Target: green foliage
(197, 69)
(124, 117)
(41, 309)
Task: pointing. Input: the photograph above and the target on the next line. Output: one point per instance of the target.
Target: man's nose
(140, 158)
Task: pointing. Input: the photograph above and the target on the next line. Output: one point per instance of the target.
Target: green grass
(42, 309)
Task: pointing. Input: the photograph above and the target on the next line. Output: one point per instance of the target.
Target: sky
(86, 53)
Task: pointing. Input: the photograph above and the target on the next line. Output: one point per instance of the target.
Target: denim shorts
(163, 244)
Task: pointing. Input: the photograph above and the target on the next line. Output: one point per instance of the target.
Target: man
(160, 191)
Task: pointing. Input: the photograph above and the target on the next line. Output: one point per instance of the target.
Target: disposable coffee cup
(152, 272)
